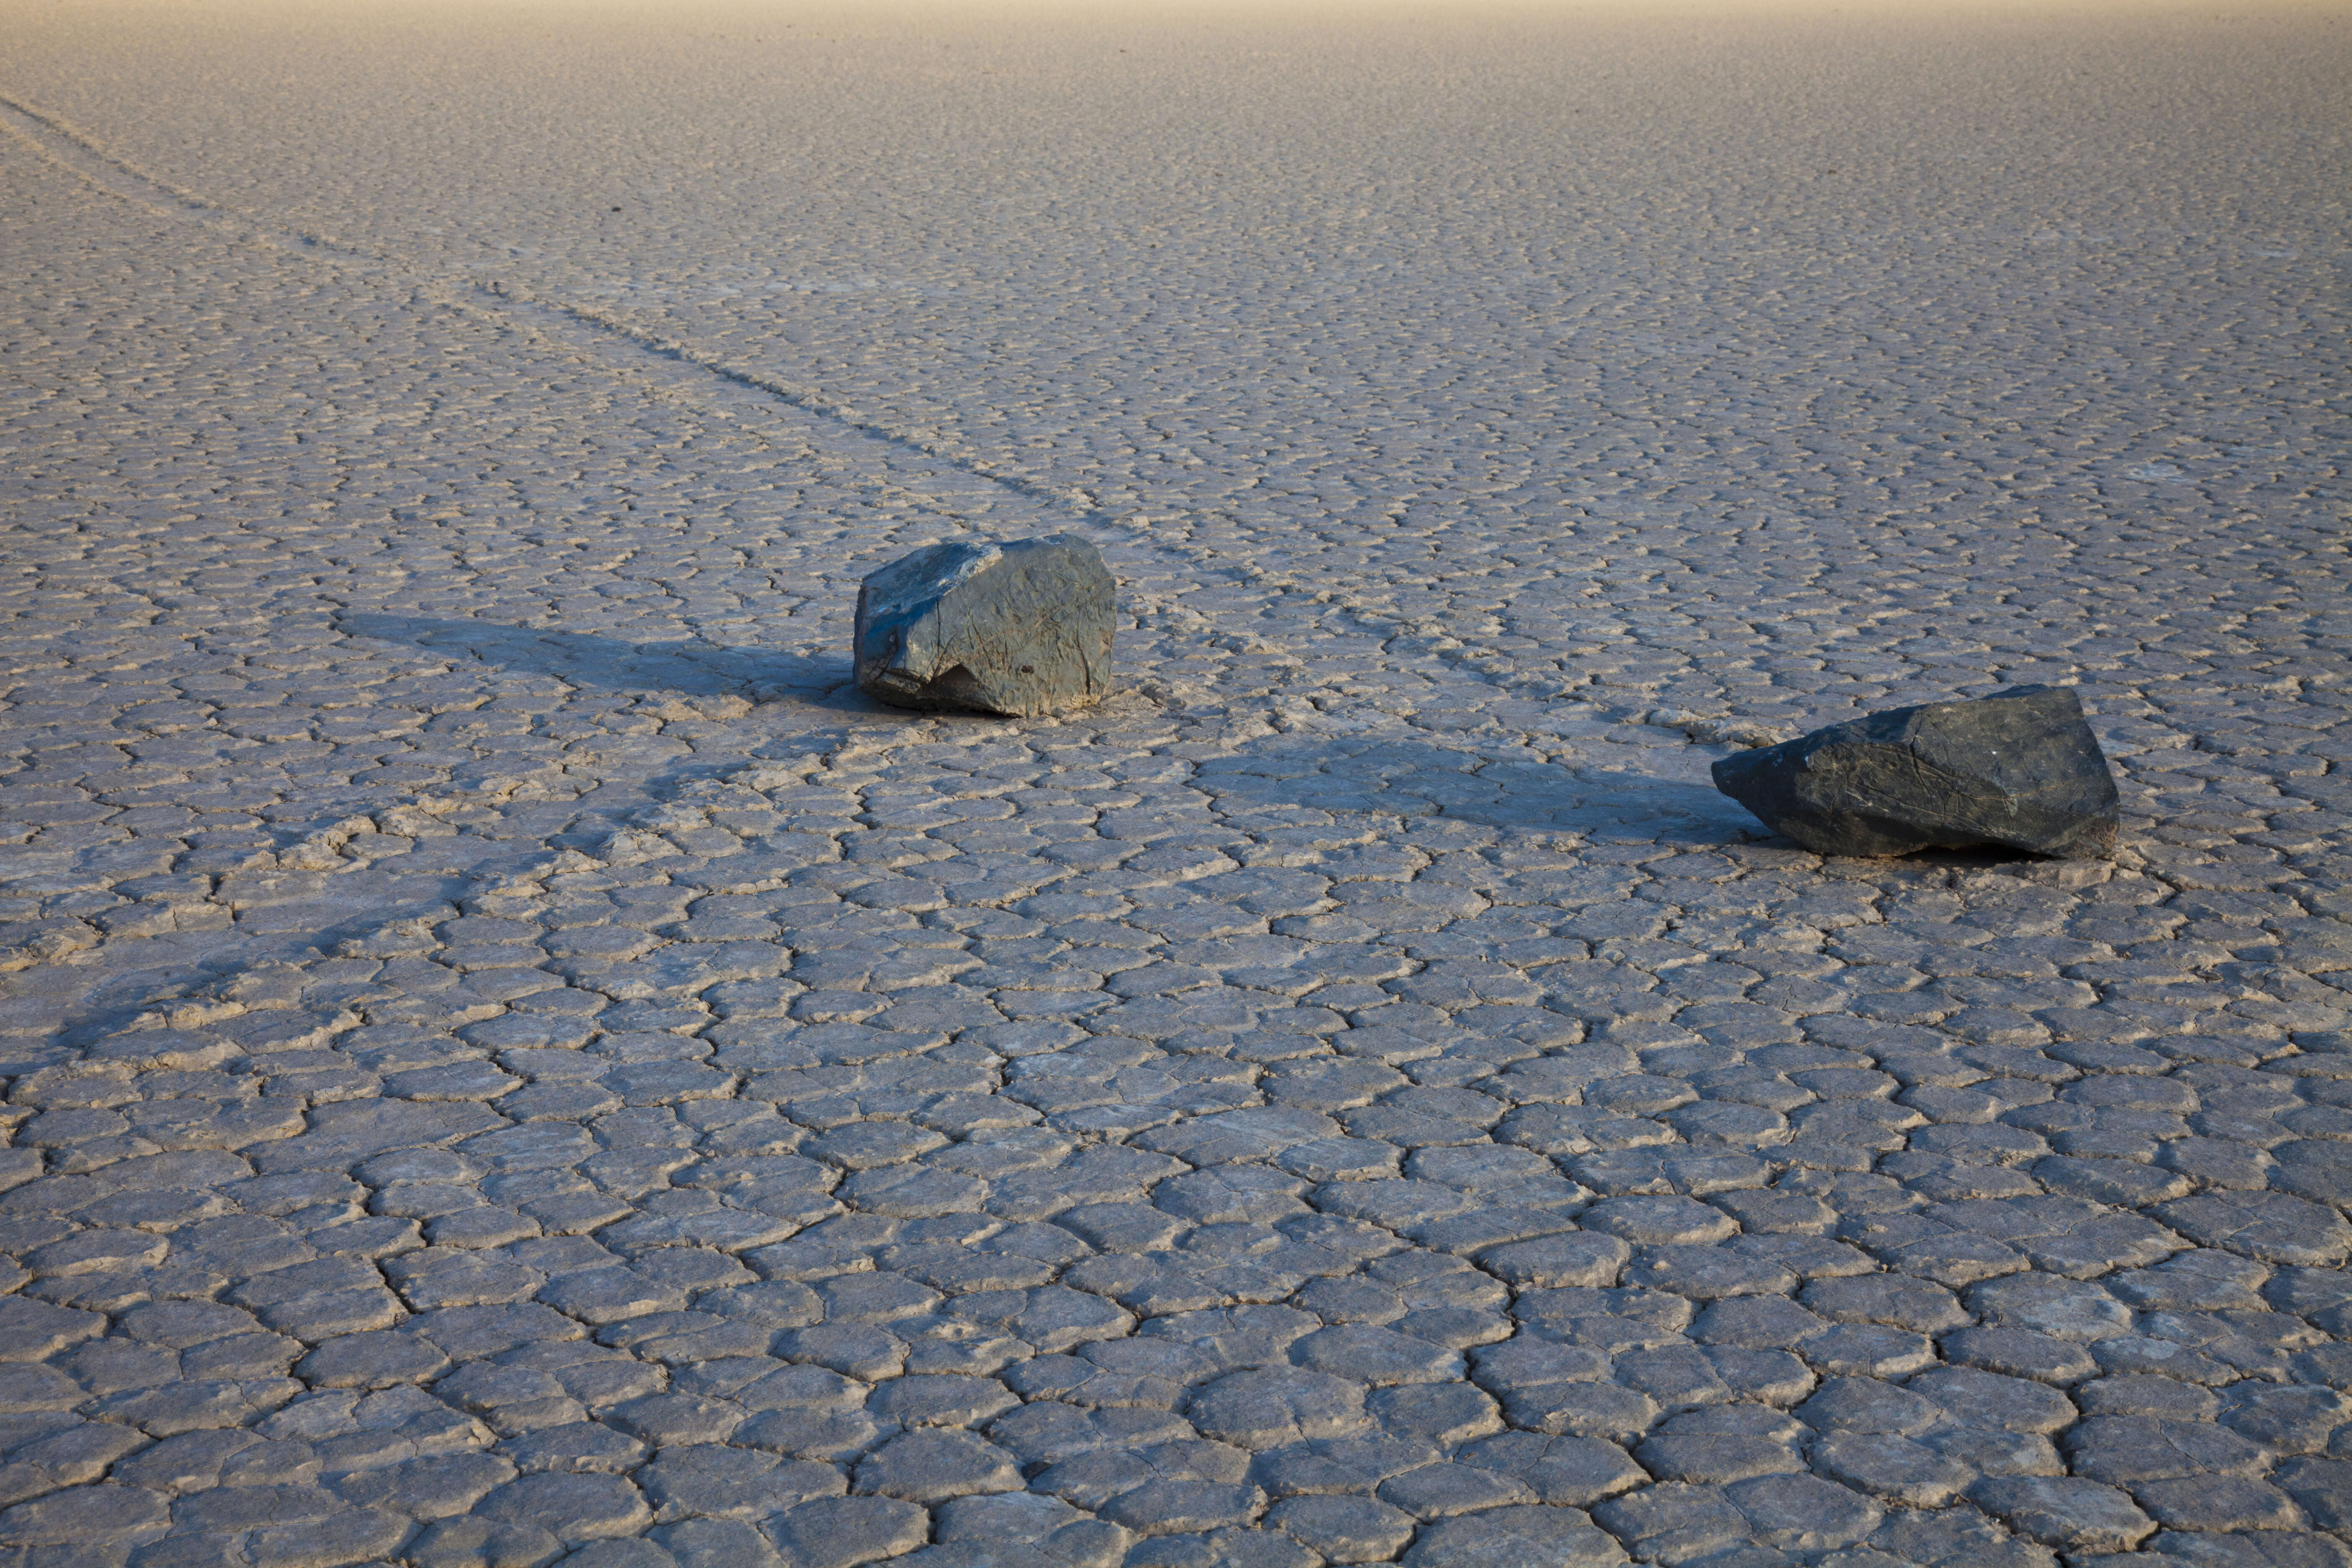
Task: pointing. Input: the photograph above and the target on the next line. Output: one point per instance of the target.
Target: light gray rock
(1258, 1410)
(1518, 1537)
(1971, 1397)
(838, 1533)
(716, 1481)
(1578, 1258)
(1949, 1538)
(2020, 1353)
(637, 1554)
(1014, 1530)
(1344, 1529)
(1443, 1491)
(2127, 1449)
(1674, 1521)
(2323, 1488)
(88, 1516)
(2019, 768)
(2289, 1420)
(716, 1544)
(575, 1506)
(483, 1543)
(1445, 1414)
(1805, 1513)
(2269, 1226)
(2065, 1511)
(1576, 1471)
(1659, 1221)
(2218, 1503)
(1375, 1356)
(1021, 629)
(373, 1361)
(1992, 1452)
(1716, 1458)
(929, 1467)
(1890, 1466)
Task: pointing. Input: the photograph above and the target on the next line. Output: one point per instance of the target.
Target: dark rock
(1020, 628)
(2019, 768)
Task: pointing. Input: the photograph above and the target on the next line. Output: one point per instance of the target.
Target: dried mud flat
(507, 1056)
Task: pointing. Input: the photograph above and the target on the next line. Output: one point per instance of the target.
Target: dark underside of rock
(2019, 768)
(1021, 629)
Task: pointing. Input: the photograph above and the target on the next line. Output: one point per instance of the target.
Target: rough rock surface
(505, 1054)
(2020, 768)
(1021, 628)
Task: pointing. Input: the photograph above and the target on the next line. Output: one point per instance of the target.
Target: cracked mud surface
(507, 1056)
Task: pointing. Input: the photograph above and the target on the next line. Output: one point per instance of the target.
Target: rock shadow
(1974, 858)
(1409, 777)
(686, 667)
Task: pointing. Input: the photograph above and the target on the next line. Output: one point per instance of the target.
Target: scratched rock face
(2020, 768)
(1022, 628)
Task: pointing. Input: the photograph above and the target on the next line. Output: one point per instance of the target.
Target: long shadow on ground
(686, 668)
(1407, 776)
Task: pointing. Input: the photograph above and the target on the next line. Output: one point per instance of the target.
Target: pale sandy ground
(508, 1055)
